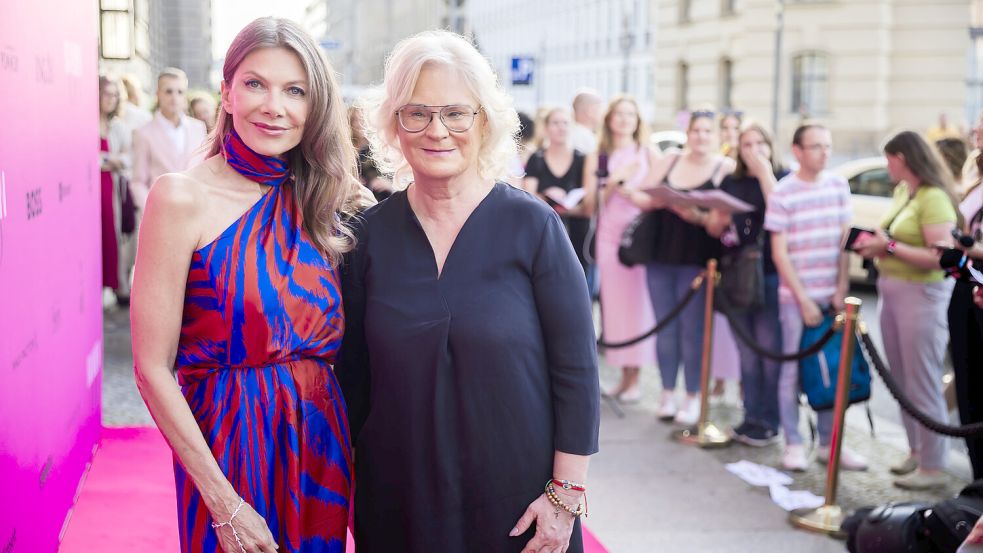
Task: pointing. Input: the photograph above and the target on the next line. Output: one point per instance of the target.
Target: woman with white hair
(468, 363)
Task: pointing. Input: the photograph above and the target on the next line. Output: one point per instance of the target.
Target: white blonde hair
(403, 67)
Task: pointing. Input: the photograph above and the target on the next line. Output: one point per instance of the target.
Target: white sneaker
(631, 395)
(667, 406)
(795, 458)
(690, 413)
(849, 459)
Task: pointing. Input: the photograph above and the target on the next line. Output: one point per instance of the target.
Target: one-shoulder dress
(262, 324)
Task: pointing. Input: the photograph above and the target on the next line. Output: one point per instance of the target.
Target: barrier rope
(738, 330)
(873, 355)
(694, 287)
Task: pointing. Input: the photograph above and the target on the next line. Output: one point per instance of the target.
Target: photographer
(966, 327)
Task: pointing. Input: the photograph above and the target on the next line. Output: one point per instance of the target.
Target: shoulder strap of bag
(895, 216)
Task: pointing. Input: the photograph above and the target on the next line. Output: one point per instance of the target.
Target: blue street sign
(330, 44)
(522, 70)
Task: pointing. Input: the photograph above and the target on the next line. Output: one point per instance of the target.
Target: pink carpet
(127, 502)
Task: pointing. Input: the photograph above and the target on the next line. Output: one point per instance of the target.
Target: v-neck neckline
(563, 177)
(439, 272)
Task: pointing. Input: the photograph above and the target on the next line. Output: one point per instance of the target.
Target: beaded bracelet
(579, 510)
(569, 485)
(235, 534)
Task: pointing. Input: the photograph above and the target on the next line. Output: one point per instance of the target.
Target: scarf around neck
(268, 170)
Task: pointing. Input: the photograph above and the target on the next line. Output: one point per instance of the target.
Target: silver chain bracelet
(235, 534)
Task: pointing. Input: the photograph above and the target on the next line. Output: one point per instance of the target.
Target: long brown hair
(751, 126)
(925, 163)
(326, 189)
(606, 142)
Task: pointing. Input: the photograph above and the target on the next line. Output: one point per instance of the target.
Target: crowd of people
(800, 221)
(464, 361)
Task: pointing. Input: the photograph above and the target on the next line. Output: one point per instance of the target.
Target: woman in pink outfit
(626, 311)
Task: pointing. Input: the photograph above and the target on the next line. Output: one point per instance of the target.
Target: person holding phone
(913, 294)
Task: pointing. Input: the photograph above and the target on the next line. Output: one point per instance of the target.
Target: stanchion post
(828, 518)
(705, 434)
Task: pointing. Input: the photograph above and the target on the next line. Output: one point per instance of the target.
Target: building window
(810, 83)
(115, 30)
(726, 80)
(682, 86)
(684, 10)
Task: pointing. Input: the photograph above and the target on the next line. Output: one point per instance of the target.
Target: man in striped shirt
(808, 213)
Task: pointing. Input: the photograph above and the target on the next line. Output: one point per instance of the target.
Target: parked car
(871, 189)
(668, 140)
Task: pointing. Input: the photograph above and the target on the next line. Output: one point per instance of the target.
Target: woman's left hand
(553, 526)
(873, 245)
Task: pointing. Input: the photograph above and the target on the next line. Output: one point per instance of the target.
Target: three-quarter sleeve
(564, 308)
(352, 366)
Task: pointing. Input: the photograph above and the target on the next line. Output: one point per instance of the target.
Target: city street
(649, 493)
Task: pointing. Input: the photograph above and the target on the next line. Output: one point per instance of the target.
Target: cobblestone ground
(121, 402)
(856, 489)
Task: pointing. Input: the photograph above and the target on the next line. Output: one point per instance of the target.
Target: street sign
(330, 44)
(522, 70)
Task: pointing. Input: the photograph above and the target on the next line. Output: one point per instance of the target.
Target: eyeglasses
(702, 113)
(417, 117)
(817, 147)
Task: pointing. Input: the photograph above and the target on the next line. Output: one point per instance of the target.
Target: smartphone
(855, 233)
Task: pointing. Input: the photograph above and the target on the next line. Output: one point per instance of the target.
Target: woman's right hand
(757, 165)
(254, 533)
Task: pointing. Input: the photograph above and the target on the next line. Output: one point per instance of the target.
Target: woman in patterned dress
(236, 289)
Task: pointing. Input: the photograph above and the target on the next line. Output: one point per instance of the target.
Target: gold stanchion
(828, 518)
(705, 434)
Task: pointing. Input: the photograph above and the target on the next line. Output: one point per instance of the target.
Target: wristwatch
(891, 246)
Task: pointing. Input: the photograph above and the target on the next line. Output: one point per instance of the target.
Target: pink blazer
(154, 154)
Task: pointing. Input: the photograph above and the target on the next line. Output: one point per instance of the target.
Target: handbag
(638, 239)
(128, 209)
(742, 278)
(818, 373)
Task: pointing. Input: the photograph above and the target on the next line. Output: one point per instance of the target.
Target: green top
(930, 206)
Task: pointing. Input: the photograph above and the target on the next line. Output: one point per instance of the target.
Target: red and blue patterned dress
(263, 322)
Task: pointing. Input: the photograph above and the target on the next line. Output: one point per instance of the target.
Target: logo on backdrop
(11, 543)
(34, 205)
(9, 62)
(3, 209)
(63, 191)
(25, 352)
(44, 70)
(45, 472)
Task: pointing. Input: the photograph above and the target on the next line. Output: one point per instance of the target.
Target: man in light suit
(169, 143)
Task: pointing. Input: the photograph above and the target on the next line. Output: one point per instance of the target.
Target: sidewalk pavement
(648, 493)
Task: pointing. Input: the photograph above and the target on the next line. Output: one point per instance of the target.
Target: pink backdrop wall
(50, 269)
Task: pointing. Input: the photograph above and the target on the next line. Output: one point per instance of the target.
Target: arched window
(810, 83)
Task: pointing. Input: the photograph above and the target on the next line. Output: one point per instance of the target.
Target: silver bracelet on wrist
(235, 513)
